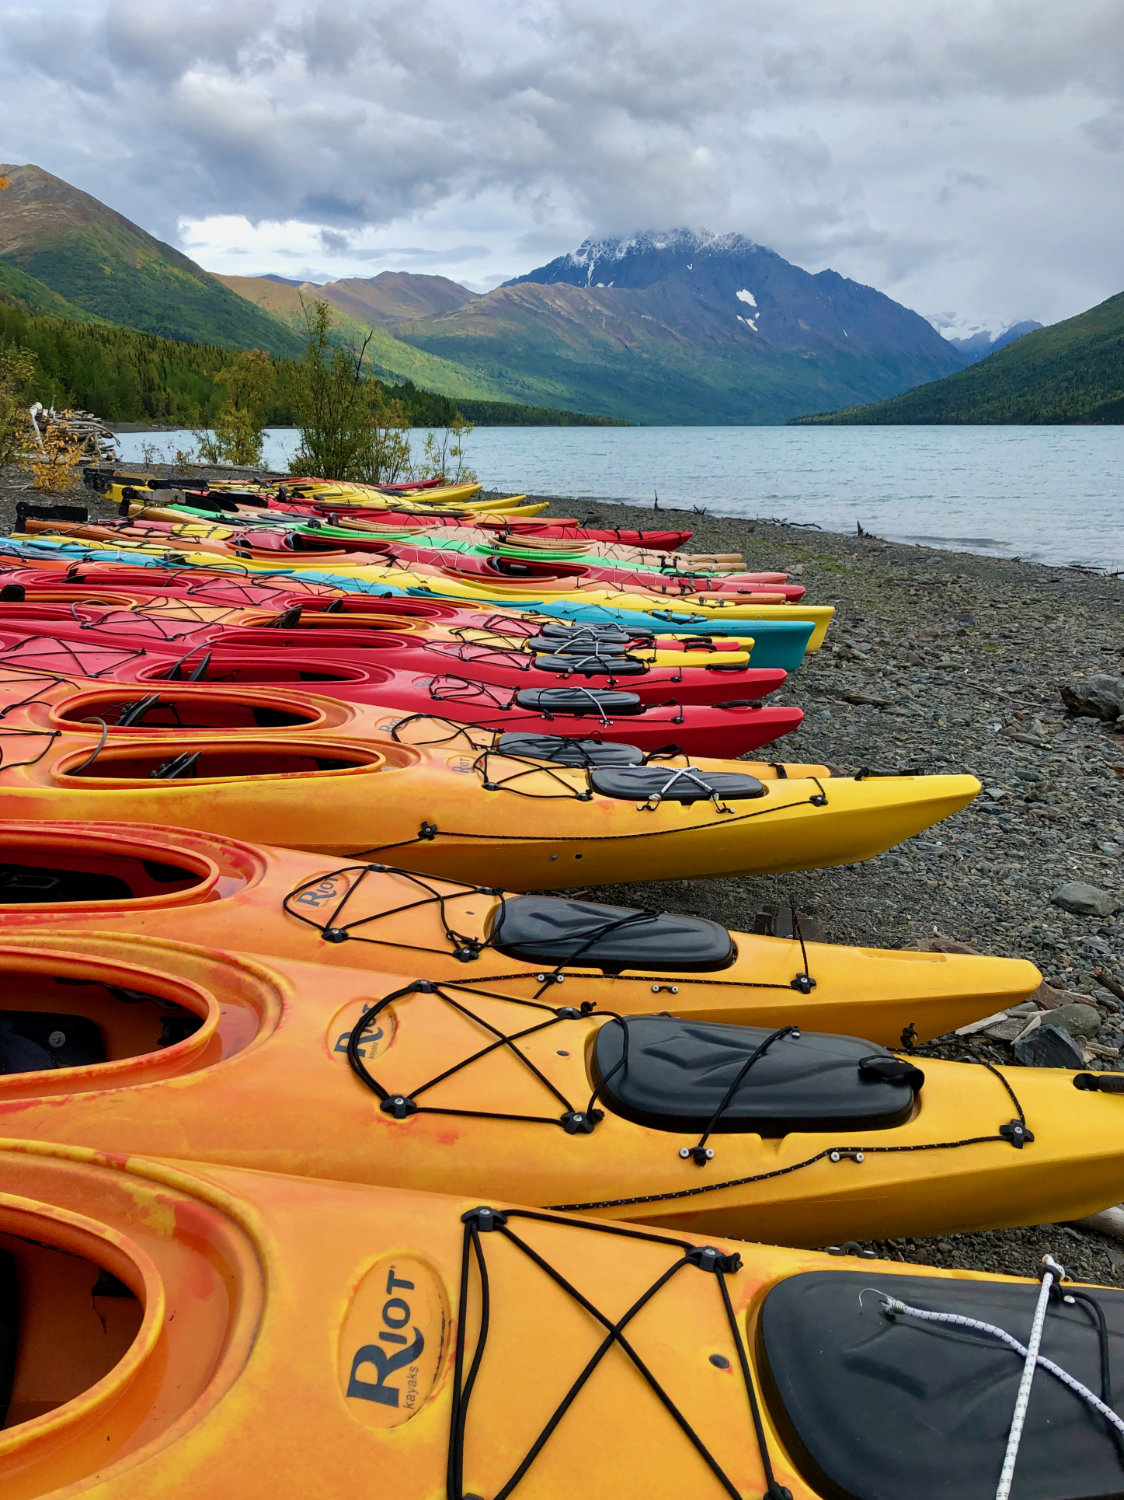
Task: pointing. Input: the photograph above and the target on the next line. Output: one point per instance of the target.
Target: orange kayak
(502, 813)
(129, 1044)
(221, 893)
(164, 1320)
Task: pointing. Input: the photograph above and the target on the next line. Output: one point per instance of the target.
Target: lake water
(1047, 494)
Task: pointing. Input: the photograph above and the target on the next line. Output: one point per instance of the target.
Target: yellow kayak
(224, 894)
(356, 1076)
(187, 1332)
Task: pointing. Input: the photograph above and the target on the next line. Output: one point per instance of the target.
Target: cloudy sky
(965, 156)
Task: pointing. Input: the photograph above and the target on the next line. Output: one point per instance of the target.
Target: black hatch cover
(569, 752)
(601, 630)
(578, 701)
(591, 665)
(578, 644)
(555, 930)
(677, 1075)
(674, 784)
(874, 1408)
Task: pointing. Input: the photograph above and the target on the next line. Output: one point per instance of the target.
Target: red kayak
(414, 658)
(725, 730)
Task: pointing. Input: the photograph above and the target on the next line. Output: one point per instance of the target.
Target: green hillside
(1069, 372)
(21, 290)
(102, 264)
(389, 357)
(127, 376)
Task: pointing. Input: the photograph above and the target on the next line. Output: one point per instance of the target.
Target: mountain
(983, 341)
(1069, 372)
(388, 356)
(105, 266)
(395, 296)
(687, 327)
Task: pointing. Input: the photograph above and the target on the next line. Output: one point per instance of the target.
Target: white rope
(1030, 1366)
(1028, 1352)
(696, 778)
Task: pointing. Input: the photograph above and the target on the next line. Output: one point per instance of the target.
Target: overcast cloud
(966, 157)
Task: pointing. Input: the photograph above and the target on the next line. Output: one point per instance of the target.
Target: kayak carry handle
(1100, 1083)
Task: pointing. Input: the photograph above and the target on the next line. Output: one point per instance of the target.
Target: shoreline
(938, 661)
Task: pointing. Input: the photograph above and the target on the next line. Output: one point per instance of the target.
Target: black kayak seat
(34, 1040)
(878, 1408)
(21, 885)
(579, 701)
(592, 665)
(677, 1074)
(9, 1330)
(555, 930)
(598, 630)
(569, 752)
(577, 645)
(674, 783)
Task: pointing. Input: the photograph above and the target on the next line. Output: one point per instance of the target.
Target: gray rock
(1049, 1047)
(1085, 900)
(1078, 1020)
(1098, 697)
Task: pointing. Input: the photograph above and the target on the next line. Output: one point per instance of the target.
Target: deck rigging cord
(707, 1260)
(333, 928)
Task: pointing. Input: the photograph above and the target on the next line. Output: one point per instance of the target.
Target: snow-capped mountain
(761, 296)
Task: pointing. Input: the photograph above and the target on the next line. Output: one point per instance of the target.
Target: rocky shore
(944, 661)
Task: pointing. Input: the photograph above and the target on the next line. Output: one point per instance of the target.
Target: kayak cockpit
(188, 708)
(249, 672)
(38, 876)
(212, 760)
(65, 1322)
(52, 1021)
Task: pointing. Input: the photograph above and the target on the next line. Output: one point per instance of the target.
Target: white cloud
(960, 154)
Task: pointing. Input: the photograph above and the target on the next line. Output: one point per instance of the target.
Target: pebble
(1100, 696)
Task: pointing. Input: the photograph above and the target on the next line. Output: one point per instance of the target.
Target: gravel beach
(939, 661)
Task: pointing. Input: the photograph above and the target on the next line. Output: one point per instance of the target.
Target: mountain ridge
(688, 326)
(1069, 372)
(98, 261)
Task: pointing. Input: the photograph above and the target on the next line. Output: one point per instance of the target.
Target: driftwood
(95, 440)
